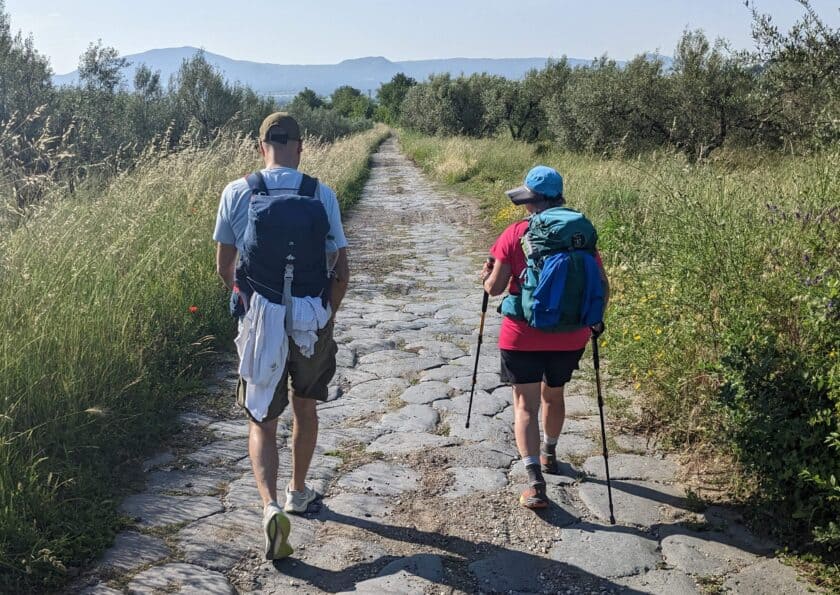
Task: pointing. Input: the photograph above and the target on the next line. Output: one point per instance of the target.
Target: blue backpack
(561, 288)
(289, 229)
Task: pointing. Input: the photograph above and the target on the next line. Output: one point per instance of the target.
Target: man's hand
(340, 280)
(226, 263)
(597, 329)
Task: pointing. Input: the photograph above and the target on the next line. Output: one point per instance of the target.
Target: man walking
(538, 363)
(282, 251)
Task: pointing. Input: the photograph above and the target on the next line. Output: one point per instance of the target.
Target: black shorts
(552, 367)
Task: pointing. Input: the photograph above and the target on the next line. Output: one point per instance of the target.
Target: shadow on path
(515, 570)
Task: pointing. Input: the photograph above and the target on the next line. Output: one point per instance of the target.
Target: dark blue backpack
(284, 229)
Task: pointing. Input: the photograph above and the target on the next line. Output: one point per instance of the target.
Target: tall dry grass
(109, 306)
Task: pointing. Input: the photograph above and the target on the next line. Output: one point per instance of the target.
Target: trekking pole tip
(612, 520)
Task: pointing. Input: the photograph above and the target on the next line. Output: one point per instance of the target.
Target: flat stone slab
(220, 452)
(411, 418)
(662, 582)
(485, 454)
(359, 506)
(399, 583)
(159, 460)
(333, 554)
(363, 347)
(631, 443)
(345, 357)
(629, 466)
(469, 480)
(383, 356)
(510, 571)
(768, 577)
(402, 367)
(580, 405)
(405, 442)
(377, 390)
(432, 347)
(192, 482)
(156, 510)
(575, 445)
(427, 566)
(635, 503)
(132, 550)
(100, 589)
(731, 522)
(380, 479)
(704, 553)
(180, 578)
(336, 413)
(351, 377)
(588, 426)
(481, 427)
(484, 381)
(426, 392)
(606, 553)
(443, 373)
(230, 428)
(484, 403)
(220, 541)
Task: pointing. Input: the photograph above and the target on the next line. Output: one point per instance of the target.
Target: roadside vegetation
(713, 184)
(111, 308)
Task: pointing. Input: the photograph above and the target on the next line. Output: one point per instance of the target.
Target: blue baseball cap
(541, 183)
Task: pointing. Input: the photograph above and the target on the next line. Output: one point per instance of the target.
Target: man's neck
(277, 165)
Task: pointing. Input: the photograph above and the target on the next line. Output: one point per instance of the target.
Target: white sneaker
(276, 528)
(299, 501)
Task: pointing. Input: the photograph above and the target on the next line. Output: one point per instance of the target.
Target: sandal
(534, 497)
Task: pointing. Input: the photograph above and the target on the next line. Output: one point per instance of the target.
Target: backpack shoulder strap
(256, 182)
(308, 186)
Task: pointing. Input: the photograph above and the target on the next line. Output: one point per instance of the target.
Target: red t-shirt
(515, 334)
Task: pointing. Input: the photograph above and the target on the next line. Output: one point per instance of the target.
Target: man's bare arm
(226, 263)
(340, 280)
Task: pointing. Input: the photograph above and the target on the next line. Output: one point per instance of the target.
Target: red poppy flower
(193, 309)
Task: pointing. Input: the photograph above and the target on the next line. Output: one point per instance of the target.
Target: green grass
(725, 313)
(109, 308)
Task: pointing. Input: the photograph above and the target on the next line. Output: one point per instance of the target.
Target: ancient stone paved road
(413, 502)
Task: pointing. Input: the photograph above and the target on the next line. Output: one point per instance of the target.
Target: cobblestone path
(413, 502)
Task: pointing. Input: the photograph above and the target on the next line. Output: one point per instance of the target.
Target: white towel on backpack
(263, 345)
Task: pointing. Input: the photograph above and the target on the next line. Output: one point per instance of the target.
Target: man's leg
(526, 404)
(262, 446)
(304, 438)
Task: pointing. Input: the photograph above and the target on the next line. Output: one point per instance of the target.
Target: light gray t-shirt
(232, 218)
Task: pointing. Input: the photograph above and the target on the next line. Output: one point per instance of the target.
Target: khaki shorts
(310, 376)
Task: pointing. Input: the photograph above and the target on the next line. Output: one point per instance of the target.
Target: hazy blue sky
(328, 31)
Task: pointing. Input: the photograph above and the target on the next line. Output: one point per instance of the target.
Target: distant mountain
(282, 81)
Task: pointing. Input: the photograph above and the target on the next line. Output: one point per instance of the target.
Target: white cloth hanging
(263, 345)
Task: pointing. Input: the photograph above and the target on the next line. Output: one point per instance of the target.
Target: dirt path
(413, 502)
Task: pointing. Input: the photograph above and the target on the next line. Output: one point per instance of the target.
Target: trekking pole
(484, 301)
(597, 362)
